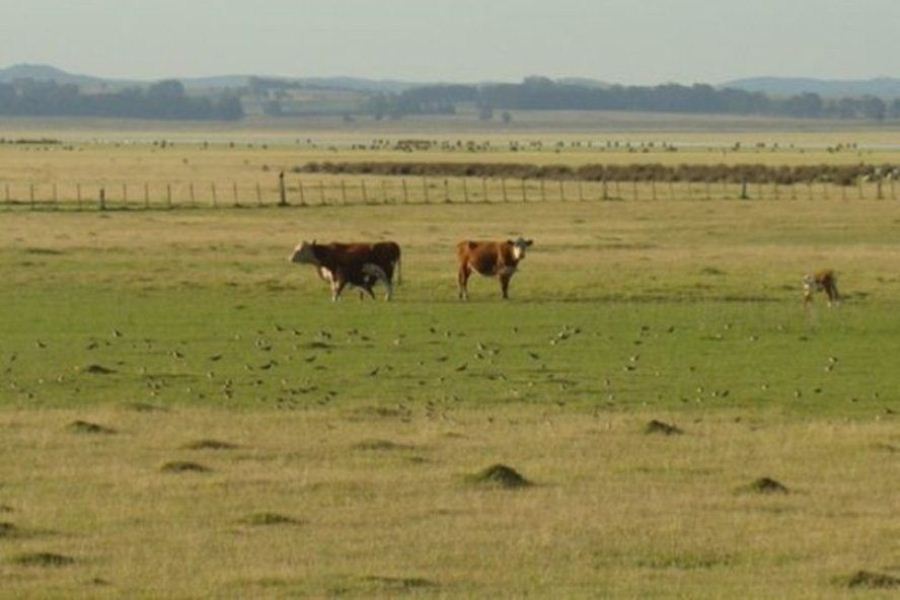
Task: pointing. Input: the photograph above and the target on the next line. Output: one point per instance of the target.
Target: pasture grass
(189, 414)
(300, 509)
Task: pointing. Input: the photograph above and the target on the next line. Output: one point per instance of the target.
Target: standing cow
(491, 259)
(824, 280)
(358, 264)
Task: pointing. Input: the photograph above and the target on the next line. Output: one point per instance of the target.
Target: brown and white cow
(824, 280)
(491, 259)
(358, 264)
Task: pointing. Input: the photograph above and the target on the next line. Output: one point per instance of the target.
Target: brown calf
(824, 280)
(491, 259)
(361, 265)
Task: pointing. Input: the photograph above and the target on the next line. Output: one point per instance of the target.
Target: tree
(873, 108)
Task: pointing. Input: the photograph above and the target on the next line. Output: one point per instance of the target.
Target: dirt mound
(870, 580)
(43, 559)
(655, 426)
(764, 485)
(381, 445)
(96, 369)
(398, 583)
(268, 518)
(210, 445)
(7, 530)
(501, 476)
(183, 466)
(88, 427)
(146, 407)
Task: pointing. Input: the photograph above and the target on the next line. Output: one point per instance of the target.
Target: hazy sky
(625, 41)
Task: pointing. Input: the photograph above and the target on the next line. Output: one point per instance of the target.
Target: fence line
(335, 190)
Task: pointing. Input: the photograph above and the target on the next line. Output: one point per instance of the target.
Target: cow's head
(518, 247)
(303, 254)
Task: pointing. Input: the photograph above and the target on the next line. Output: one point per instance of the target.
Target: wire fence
(326, 190)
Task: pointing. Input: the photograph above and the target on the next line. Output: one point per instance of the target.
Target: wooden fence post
(634, 190)
(55, 197)
(146, 195)
(343, 192)
(191, 192)
(653, 189)
(258, 194)
(302, 195)
(234, 193)
(503, 187)
(384, 194)
(484, 190)
(282, 191)
(31, 195)
(465, 190)
(859, 186)
(362, 187)
(809, 189)
(562, 191)
(212, 190)
(425, 189)
(125, 194)
(405, 191)
(744, 195)
(321, 192)
(169, 195)
(524, 191)
(825, 189)
(543, 191)
(102, 199)
(77, 194)
(878, 194)
(603, 185)
(580, 191)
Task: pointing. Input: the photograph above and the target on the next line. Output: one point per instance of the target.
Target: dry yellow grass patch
(308, 504)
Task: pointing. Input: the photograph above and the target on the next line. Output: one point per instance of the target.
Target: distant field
(205, 165)
(187, 414)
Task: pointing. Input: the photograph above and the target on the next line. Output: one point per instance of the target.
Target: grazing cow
(360, 265)
(824, 280)
(500, 259)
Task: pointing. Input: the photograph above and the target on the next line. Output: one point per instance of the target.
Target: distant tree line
(163, 100)
(541, 93)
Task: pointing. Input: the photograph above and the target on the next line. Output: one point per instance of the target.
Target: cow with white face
(821, 281)
(491, 259)
(358, 264)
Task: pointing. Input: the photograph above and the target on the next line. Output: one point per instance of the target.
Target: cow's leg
(833, 296)
(504, 284)
(464, 272)
(337, 286)
(377, 274)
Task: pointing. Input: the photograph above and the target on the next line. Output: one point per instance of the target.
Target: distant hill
(883, 87)
(45, 73)
(50, 73)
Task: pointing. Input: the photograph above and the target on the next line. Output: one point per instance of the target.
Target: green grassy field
(339, 440)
